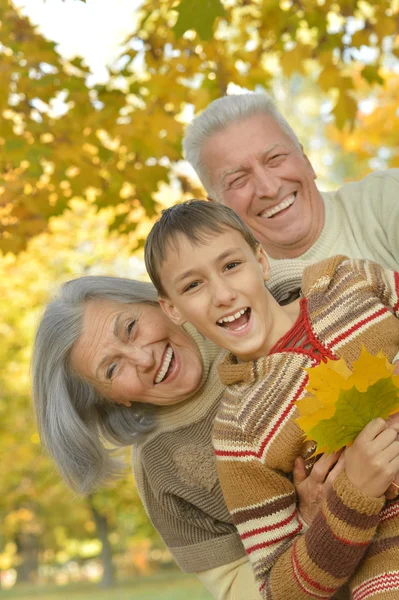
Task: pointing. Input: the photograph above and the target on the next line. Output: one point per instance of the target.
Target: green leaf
(198, 15)
(371, 75)
(354, 410)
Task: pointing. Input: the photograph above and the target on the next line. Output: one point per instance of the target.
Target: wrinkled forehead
(232, 146)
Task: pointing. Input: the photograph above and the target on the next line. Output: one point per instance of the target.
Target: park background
(94, 99)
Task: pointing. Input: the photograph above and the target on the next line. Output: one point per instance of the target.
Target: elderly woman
(109, 370)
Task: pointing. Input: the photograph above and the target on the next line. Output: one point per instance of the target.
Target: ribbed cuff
(355, 499)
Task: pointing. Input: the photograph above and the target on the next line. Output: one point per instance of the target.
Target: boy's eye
(191, 286)
(232, 265)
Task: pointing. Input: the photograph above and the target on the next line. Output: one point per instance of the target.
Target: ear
(261, 257)
(308, 163)
(123, 402)
(210, 199)
(171, 311)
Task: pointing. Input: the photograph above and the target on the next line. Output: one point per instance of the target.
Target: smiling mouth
(237, 321)
(166, 365)
(269, 214)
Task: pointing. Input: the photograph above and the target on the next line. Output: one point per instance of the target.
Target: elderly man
(248, 157)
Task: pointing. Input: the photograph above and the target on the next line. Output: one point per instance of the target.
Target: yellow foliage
(340, 402)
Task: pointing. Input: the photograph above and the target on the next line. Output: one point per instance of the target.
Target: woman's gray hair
(218, 116)
(77, 425)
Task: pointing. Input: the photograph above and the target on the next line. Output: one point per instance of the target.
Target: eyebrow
(191, 272)
(116, 331)
(242, 168)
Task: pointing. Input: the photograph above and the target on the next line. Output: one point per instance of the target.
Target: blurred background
(94, 99)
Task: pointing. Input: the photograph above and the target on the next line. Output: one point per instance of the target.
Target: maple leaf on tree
(340, 402)
(199, 15)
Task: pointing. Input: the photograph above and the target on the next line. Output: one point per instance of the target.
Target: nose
(222, 293)
(267, 183)
(140, 357)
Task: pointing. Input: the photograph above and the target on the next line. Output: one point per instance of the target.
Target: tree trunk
(101, 522)
(28, 550)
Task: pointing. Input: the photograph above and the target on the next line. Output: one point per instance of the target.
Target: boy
(210, 270)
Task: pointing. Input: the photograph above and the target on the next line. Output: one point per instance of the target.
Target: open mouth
(236, 321)
(167, 364)
(280, 208)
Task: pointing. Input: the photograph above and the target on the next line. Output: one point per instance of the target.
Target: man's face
(256, 169)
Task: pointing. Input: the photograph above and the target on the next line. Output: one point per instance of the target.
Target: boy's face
(219, 287)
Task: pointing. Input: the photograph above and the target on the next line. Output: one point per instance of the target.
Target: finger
(392, 420)
(332, 476)
(396, 370)
(384, 440)
(324, 466)
(392, 492)
(372, 429)
(390, 453)
(299, 472)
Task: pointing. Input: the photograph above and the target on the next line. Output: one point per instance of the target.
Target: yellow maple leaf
(340, 402)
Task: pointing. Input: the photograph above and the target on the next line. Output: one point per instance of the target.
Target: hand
(372, 461)
(312, 488)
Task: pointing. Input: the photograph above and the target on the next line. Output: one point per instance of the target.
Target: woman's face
(133, 353)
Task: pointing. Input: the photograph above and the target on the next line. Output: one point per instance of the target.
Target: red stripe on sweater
(343, 540)
(253, 532)
(347, 333)
(272, 542)
(305, 576)
(270, 435)
(396, 277)
(296, 569)
(381, 583)
(389, 512)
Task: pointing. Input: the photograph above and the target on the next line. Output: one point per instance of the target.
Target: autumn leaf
(198, 15)
(340, 403)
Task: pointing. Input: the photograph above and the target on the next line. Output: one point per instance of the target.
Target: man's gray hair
(218, 116)
(78, 426)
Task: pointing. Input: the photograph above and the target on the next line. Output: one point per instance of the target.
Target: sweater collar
(232, 372)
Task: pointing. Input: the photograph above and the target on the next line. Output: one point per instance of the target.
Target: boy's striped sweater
(346, 304)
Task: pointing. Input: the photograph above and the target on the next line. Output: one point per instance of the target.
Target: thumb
(299, 472)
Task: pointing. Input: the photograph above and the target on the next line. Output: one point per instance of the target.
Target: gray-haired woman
(110, 369)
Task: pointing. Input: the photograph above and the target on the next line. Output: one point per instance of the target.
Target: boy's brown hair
(196, 220)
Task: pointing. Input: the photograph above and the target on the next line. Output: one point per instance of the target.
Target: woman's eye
(130, 326)
(110, 371)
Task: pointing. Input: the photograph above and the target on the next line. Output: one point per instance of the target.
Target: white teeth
(165, 365)
(231, 318)
(276, 209)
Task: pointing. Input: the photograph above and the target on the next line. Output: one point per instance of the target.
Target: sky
(93, 30)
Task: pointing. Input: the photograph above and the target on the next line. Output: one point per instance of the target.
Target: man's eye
(110, 371)
(276, 158)
(130, 326)
(236, 182)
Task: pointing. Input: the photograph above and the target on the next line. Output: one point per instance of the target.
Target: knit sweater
(175, 472)
(346, 303)
(361, 221)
